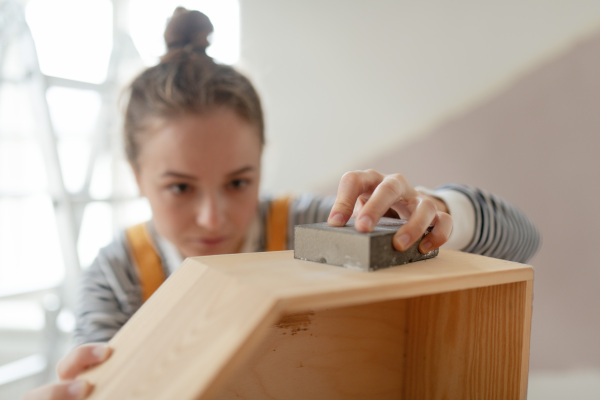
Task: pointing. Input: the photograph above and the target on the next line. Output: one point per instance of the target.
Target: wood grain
(344, 353)
(268, 326)
(468, 344)
(181, 340)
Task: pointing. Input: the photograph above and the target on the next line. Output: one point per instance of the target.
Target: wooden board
(266, 325)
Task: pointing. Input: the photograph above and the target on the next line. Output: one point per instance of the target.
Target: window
(65, 187)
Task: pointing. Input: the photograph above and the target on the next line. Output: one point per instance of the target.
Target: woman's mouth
(210, 241)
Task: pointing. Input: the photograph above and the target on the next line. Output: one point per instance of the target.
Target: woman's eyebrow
(242, 170)
(180, 175)
(174, 174)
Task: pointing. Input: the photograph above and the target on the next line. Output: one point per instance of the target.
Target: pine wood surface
(266, 325)
(474, 343)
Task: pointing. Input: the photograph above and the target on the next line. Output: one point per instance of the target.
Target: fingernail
(425, 246)
(78, 389)
(100, 352)
(403, 240)
(366, 222)
(336, 219)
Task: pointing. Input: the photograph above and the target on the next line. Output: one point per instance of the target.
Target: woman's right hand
(369, 195)
(74, 363)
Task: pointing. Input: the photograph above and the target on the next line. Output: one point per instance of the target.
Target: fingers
(81, 358)
(372, 195)
(67, 390)
(352, 186)
(424, 215)
(78, 360)
(392, 192)
(442, 228)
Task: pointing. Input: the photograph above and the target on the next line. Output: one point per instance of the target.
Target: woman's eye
(179, 188)
(239, 183)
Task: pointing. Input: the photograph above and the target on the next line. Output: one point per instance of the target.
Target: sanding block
(347, 247)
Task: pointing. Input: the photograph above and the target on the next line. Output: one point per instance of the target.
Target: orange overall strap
(147, 260)
(277, 224)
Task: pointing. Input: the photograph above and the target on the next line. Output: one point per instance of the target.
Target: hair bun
(188, 29)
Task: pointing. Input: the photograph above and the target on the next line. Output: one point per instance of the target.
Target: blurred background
(503, 95)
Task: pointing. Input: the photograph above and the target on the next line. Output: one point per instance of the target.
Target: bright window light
(73, 38)
(147, 22)
(74, 111)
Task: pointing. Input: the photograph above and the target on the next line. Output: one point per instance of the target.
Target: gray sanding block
(347, 247)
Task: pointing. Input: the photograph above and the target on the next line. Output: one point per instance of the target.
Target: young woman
(194, 135)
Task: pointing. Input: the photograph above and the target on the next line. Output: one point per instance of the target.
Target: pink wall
(537, 144)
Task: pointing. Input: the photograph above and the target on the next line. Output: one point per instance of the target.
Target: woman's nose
(210, 212)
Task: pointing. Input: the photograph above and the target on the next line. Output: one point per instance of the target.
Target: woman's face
(201, 175)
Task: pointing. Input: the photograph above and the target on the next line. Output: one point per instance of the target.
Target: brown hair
(186, 81)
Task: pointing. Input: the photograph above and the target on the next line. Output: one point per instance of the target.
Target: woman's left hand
(370, 195)
(75, 362)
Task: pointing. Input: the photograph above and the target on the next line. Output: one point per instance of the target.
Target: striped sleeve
(500, 229)
(109, 295)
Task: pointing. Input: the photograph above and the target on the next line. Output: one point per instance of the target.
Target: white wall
(536, 144)
(504, 97)
(345, 79)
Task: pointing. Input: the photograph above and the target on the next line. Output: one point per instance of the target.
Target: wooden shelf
(268, 326)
